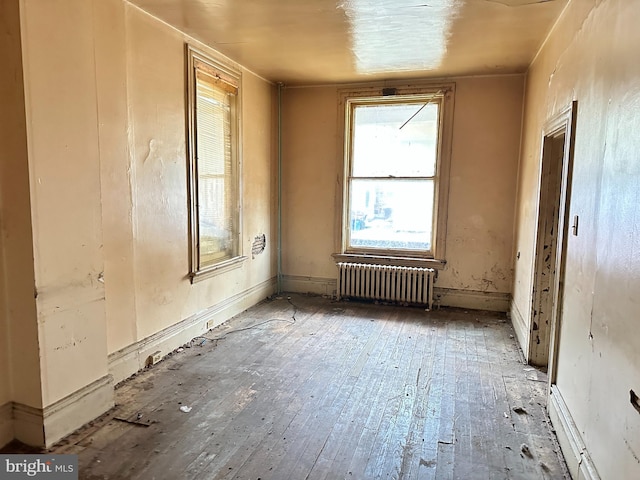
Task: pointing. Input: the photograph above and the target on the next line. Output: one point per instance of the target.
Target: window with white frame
(396, 173)
(214, 180)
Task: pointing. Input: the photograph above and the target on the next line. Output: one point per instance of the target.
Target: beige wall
(147, 198)
(117, 179)
(486, 142)
(311, 178)
(19, 356)
(96, 167)
(10, 88)
(591, 57)
(64, 169)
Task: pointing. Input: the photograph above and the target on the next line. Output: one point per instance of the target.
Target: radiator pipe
(279, 212)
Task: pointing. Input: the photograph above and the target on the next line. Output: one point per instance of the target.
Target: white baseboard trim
(43, 427)
(73, 411)
(129, 360)
(302, 284)
(27, 424)
(471, 299)
(521, 329)
(575, 451)
(6, 423)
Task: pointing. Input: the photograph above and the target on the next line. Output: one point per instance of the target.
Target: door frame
(544, 353)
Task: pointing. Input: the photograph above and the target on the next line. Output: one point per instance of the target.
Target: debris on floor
(258, 401)
(524, 448)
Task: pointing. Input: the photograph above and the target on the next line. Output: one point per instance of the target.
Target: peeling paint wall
(133, 145)
(591, 57)
(64, 170)
(486, 141)
(104, 189)
(149, 200)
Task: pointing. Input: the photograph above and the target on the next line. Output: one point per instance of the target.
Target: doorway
(553, 209)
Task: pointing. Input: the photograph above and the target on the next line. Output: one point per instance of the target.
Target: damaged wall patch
(258, 245)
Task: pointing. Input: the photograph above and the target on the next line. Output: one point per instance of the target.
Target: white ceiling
(329, 41)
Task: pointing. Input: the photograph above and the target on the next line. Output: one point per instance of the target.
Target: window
(396, 173)
(214, 189)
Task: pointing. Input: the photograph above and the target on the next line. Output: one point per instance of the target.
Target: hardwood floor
(306, 388)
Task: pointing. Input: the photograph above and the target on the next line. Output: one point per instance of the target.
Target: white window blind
(213, 146)
(216, 201)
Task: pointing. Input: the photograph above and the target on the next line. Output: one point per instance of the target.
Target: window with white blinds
(213, 169)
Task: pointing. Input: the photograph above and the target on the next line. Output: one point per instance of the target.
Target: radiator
(411, 285)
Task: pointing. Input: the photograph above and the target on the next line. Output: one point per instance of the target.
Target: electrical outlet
(154, 358)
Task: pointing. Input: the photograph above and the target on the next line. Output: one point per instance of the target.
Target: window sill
(390, 260)
(217, 269)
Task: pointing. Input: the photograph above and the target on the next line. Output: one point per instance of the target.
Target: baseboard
(27, 424)
(471, 299)
(521, 328)
(43, 427)
(129, 360)
(6, 423)
(575, 451)
(446, 297)
(301, 284)
(73, 411)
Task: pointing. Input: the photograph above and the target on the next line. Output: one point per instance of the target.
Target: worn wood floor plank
(353, 420)
(307, 388)
(386, 455)
(232, 419)
(357, 381)
(326, 361)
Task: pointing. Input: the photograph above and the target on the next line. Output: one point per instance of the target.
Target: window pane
(391, 214)
(383, 147)
(215, 181)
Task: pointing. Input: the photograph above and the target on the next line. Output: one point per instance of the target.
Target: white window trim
(226, 74)
(438, 257)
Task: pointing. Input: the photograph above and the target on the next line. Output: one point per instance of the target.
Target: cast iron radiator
(410, 285)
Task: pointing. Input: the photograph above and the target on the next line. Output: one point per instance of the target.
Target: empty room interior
(403, 234)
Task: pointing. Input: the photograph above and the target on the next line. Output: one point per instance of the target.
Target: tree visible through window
(214, 197)
(393, 175)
